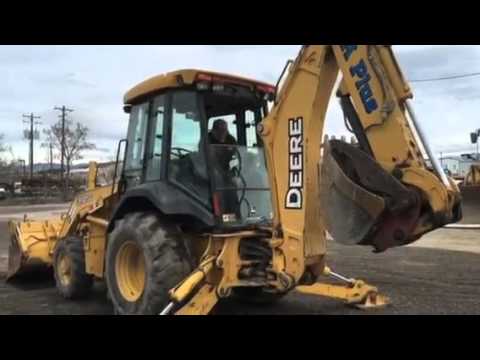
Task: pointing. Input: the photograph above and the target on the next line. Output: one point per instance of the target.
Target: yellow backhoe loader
(221, 192)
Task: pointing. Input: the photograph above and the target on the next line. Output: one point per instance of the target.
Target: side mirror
(474, 138)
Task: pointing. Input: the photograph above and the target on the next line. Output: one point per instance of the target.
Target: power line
(453, 77)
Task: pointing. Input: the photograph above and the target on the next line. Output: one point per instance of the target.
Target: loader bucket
(363, 204)
(470, 204)
(31, 246)
(349, 210)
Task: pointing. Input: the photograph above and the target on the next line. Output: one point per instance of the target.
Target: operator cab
(195, 133)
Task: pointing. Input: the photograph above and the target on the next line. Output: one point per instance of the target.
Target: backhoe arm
(380, 193)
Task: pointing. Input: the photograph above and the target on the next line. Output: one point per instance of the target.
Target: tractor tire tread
(81, 283)
(166, 264)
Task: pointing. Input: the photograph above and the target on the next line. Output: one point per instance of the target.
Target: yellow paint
(201, 304)
(95, 246)
(359, 294)
(171, 80)
(180, 293)
(92, 176)
(37, 239)
(130, 271)
(473, 176)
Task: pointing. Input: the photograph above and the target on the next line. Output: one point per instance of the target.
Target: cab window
(231, 121)
(156, 155)
(137, 133)
(187, 164)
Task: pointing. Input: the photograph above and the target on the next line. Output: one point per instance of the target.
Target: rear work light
(217, 83)
(218, 87)
(204, 77)
(268, 89)
(202, 86)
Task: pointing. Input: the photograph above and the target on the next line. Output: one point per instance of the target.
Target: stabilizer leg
(356, 292)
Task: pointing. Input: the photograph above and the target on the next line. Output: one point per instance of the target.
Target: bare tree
(76, 136)
(3, 149)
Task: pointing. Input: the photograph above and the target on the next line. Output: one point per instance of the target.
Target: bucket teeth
(14, 259)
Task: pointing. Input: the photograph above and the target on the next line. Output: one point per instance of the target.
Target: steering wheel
(239, 159)
(238, 173)
(177, 151)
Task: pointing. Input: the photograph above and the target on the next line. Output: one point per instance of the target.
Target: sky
(92, 80)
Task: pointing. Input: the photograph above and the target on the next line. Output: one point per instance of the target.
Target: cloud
(93, 80)
(61, 80)
(25, 57)
(439, 61)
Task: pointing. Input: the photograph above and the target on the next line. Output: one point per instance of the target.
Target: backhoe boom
(381, 193)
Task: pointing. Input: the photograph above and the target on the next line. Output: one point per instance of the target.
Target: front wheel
(145, 259)
(71, 278)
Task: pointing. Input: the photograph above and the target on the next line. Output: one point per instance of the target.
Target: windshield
(241, 191)
(241, 184)
(235, 184)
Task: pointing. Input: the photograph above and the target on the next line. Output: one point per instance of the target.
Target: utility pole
(63, 115)
(20, 168)
(31, 136)
(51, 157)
(23, 167)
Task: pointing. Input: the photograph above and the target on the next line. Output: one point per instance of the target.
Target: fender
(162, 197)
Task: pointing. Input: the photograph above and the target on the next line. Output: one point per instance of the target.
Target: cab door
(187, 163)
(155, 162)
(137, 140)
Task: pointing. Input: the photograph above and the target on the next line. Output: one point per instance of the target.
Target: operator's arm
(381, 193)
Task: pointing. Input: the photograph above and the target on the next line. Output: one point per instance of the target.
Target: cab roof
(182, 78)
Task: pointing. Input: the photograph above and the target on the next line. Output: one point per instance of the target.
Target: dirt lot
(440, 275)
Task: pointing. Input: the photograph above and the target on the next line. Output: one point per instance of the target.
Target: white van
(17, 188)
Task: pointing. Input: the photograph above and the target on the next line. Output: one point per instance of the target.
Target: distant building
(352, 140)
(459, 166)
(456, 166)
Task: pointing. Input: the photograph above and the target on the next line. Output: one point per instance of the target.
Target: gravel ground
(420, 280)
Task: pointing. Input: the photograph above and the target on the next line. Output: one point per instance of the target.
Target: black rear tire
(166, 262)
(77, 284)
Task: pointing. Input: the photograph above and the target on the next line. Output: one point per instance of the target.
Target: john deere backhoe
(193, 221)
